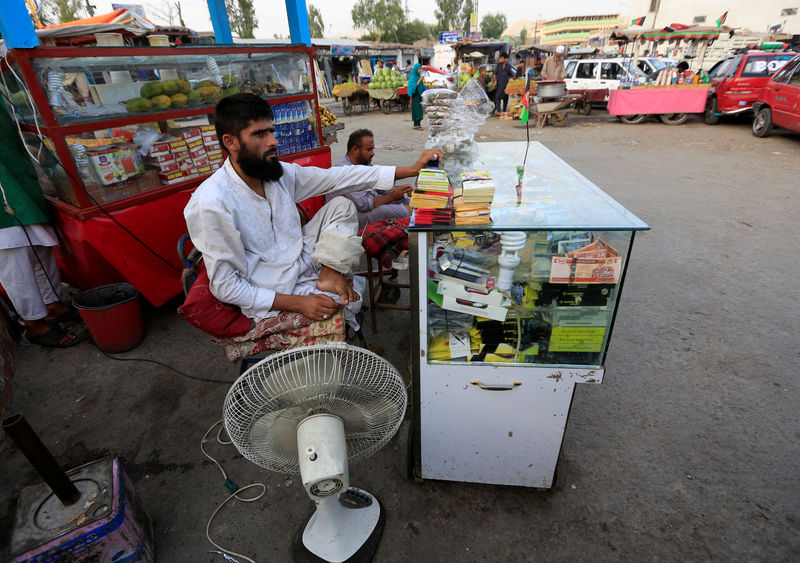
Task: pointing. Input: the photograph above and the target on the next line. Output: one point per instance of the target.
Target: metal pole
(220, 21)
(32, 447)
(16, 26)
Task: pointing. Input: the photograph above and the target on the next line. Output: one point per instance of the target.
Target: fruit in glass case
(203, 84)
(195, 97)
(229, 80)
(178, 100)
(183, 86)
(150, 89)
(138, 105)
(230, 91)
(170, 87)
(160, 102)
(211, 94)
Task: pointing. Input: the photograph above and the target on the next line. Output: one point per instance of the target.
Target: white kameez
(254, 247)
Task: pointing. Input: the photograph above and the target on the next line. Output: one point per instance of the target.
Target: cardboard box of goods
(204, 128)
(216, 164)
(204, 169)
(194, 143)
(210, 139)
(159, 147)
(216, 156)
(177, 145)
(168, 167)
(203, 161)
(198, 153)
(172, 177)
(160, 157)
(191, 134)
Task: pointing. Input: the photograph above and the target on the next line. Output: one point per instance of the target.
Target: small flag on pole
(721, 19)
(524, 114)
(638, 21)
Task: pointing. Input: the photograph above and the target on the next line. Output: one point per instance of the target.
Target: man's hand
(408, 171)
(332, 281)
(434, 154)
(315, 306)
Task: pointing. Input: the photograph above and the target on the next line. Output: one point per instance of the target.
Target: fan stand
(337, 532)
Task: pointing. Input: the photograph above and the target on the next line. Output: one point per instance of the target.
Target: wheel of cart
(386, 98)
(405, 100)
(674, 118)
(351, 99)
(558, 119)
(633, 119)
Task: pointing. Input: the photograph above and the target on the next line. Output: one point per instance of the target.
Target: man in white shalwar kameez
(244, 221)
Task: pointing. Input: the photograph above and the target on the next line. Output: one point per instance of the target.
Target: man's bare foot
(45, 334)
(332, 281)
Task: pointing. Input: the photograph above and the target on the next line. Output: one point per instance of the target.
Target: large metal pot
(551, 88)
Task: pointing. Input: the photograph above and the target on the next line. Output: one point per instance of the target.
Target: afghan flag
(524, 114)
(638, 21)
(720, 20)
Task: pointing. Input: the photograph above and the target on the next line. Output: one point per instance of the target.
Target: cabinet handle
(499, 387)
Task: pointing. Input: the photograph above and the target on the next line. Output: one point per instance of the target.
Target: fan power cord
(162, 364)
(232, 487)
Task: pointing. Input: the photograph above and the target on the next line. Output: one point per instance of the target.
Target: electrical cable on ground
(162, 364)
(232, 487)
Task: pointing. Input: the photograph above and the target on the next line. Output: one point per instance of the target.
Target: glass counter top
(552, 195)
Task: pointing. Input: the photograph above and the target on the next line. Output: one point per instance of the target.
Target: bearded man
(244, 220)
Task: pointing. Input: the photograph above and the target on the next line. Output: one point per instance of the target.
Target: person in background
(520, 66)
(373, 205)
(28, 268)
(408, 67)
(416, 86)
(485, 80)
(553, 68)
(380, 64)
(503, 72)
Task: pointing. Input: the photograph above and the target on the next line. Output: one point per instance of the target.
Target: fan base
(358, 532)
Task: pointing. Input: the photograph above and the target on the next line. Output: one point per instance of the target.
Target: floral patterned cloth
(287, 330)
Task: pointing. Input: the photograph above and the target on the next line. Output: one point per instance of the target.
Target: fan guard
(265, 405)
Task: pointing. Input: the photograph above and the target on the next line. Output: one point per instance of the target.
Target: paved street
(688, 450)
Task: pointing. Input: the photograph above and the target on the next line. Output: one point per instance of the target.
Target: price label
(577, 339)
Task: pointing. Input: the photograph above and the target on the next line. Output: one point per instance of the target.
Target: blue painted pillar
(298, 21)
(16, 26)
(220, 21)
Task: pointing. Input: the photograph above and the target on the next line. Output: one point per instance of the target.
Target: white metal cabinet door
(509, 437)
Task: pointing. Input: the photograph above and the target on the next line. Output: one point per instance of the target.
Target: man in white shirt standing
(245, 222)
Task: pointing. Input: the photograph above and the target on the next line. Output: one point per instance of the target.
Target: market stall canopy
(671, 32)
(114, 22)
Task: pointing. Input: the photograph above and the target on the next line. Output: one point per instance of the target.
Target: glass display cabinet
(128, 132)
(511, 316)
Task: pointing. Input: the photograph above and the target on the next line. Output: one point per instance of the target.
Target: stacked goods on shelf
(431, 198)
(186, 153)
(294, 127)
(473, 200)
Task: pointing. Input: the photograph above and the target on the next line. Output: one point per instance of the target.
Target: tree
(448, 14)
(242, 16)
(381, 18)
(492, 25)
(315, 23)
(412, 31)
(62, 11)
(523, 36)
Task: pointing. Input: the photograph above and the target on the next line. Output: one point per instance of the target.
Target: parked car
(437, 78)
(599, 76)
(650, 65)
(778, 103)
(738, 81)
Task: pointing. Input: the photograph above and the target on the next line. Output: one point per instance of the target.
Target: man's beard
(266, 168)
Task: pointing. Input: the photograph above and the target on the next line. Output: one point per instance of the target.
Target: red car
(738, 81)
(779, 101)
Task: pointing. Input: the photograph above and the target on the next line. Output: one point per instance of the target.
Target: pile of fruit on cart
(347, 89)
(515, 87)
(327, 116)
(386, 78)
(465, 77)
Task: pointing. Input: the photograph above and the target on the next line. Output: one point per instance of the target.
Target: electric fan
(310, 409)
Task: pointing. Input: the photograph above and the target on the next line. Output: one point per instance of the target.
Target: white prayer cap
(560, 49)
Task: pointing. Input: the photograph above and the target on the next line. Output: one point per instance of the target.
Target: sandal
(53, 338)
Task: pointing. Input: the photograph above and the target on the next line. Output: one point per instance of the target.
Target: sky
(272, 19)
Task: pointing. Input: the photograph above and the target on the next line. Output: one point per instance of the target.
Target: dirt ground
(687, 451)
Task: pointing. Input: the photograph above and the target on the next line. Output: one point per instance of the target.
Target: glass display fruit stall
(121, 136)
(511, 315)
